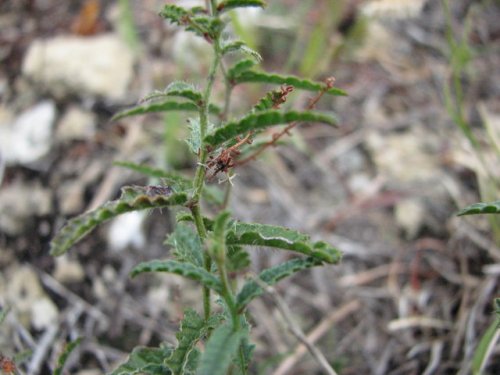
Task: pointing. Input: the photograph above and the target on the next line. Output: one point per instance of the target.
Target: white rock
(76, 124)
(43, 313)
(100, 65)
(22, 203)
(410, 216)
(126, 230)
(405, 157)
(68, 270)
(29, 137)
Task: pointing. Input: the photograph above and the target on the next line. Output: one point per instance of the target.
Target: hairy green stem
(227, 293)
(201, 170)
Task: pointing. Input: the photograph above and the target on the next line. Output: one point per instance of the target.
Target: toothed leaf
(237, 258)
(240, 46)
(162, 107)
(147, 361)
(481, 208)
(219, 350)
(253, 234)
(186, 245)
(262, 120)
(133, 198)
(282, 238)
(227, 5)
(299, 83)
(187, 270)
(240, 67)
(193, 328)
(174, 180)
(267, 102)
(194, 20)
(271, 276)
(178, 89)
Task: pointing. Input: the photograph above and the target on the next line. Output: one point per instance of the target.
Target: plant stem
(200, 171)
(227, 293)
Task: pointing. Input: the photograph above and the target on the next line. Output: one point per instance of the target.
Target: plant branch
(329, 82)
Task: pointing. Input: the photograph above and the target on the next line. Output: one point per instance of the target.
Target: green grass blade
(299, 83)
(485, 347)
(219, 350)
(481, 208)
(133, 198)
(187, 270)
(262, 120)
(145, 361)
(227, 5)
(63, 357)
(271, 276)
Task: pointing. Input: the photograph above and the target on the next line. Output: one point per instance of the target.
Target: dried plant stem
(329, 82)
(307, 344)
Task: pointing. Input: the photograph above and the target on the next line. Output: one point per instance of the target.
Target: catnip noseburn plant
(212, 251)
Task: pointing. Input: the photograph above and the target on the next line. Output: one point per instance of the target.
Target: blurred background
(419, 138)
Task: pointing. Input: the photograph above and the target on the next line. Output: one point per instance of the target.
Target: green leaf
(237, 258)
(262, 120)
(304, 84)
(240, 46)
(283, 238)
(187, 270)
(487, 343)
(192, 330)
(253, 234)
(194, 20)
(271, 276)
(144, 360)
(180, 89)
(219, 350)
(177, 182)
(240, 67)
(186, 244)
(481, 208)
(63, 357)
(133, 198)
(194, 139)
(226, 5)
(162, 107)
(155, 107)
(243, 358)
(267, 102)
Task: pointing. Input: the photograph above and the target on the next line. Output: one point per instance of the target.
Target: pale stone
(76, 124)
(100, 65)
(126, 230)
(43, 313)
(410, 216)
(405, 157)
(68, 270)
(29, 137)
(22, 203)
